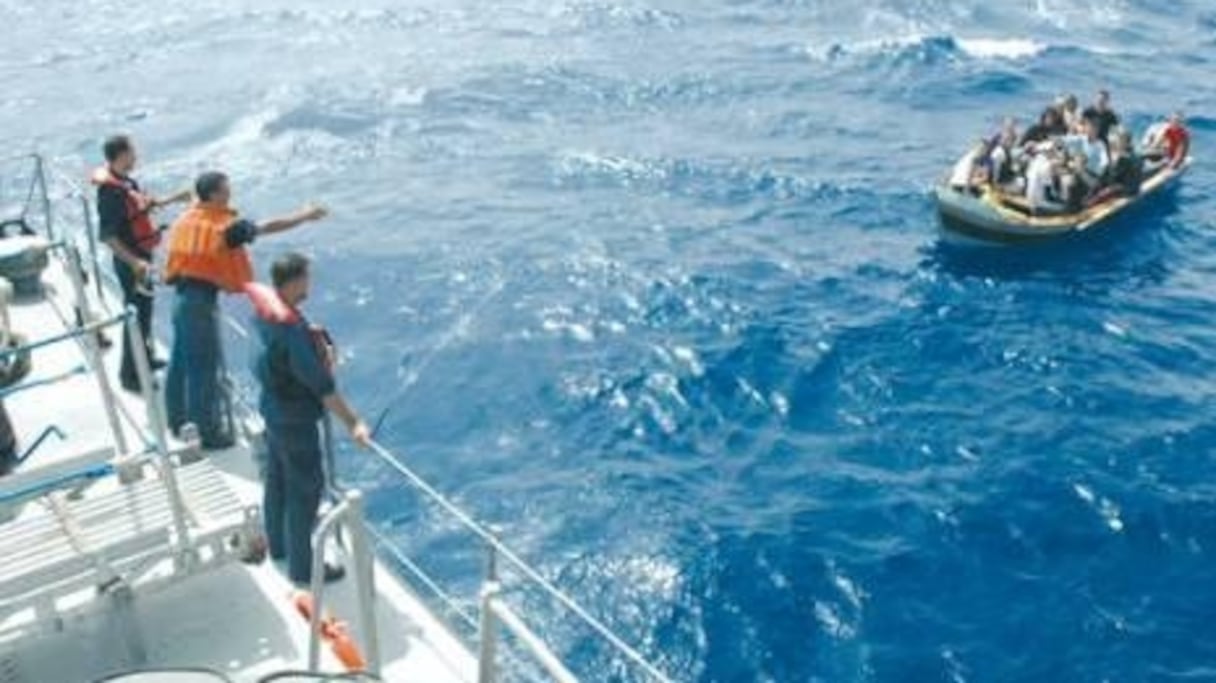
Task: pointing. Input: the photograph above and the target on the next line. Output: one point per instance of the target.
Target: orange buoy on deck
(334, 632)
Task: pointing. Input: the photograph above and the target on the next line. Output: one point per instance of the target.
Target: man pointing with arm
(208, 255)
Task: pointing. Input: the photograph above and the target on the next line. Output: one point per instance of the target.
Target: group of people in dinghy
(1071, 159)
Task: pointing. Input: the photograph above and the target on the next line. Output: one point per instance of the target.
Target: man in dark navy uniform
(125, 226)
(296, 371)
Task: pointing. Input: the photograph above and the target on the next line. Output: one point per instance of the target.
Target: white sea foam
(1105, 507)
(974, 48)
(1000, 48)
(689, 357)
(750, 391)
(780, 403)
(581, 332)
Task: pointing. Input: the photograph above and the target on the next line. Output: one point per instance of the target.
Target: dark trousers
(294, 482)
(142, 303)
(192, 386)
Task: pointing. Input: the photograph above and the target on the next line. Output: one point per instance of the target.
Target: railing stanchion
(518, 565)
(156, 421)
(350, 510)
(40, 170)
(91, 236)
(93, 350)
(361, 556)
(487, 630)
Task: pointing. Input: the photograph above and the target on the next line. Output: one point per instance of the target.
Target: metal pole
(40, 170)
(364, 570)
(156, 420)
(532, 642)
(327, 451)
(519, 565)
(317, 585)
(487, 632)
(91, 236)
(96, 361)
(329, 469)
(80, 331)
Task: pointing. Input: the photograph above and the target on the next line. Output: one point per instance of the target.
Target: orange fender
(334, 632)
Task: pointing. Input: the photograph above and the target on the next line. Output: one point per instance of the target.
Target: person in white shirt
(1153, 141)
(1040, 178)
(1091, 147)
(969, 171)
(1006, 160)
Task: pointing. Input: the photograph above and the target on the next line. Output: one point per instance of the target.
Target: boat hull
(985, 219)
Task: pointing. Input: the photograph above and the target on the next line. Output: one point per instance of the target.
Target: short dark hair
(207, 184)
(115, 146)
(288, 268)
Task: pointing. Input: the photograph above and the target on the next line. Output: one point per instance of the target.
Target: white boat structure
(122, 547)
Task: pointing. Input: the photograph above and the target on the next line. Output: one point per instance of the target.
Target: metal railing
(494, 610)
(349, 512)
(84, 328)
(495, 614)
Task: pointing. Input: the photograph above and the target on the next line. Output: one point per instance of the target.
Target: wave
(1204, 123)
(945, 48)
(708, 180)
(600, 15)
(932, 48)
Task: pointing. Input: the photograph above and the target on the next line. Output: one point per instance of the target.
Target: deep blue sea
(655, 287)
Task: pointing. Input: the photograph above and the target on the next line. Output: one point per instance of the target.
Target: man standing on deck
(296, 371)
(207, 254)
(124, 215)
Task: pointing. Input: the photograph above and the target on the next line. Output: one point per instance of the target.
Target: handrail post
(549, 661)
(91, 236)
(317, 586)
(40, 170)
(518, 566)
(364, 570)
(156, 420)
(487, 668)
(93, 351)
(328, 466)
(350, 509)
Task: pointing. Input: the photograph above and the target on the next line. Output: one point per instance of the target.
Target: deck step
(111, 526)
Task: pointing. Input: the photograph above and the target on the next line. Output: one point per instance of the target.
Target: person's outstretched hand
(314, 212)
(361, 435)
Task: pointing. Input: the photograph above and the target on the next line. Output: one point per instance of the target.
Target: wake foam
(929, 48)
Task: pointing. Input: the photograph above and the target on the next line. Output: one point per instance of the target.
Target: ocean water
(655, 288)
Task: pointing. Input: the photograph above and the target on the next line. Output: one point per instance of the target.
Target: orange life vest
(139, 207)
(197, 250)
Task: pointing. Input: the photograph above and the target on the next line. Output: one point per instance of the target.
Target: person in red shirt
(1177, 141)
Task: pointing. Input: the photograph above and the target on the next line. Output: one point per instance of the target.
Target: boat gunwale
(984, 217)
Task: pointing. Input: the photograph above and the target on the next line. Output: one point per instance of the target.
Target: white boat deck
(236, 619)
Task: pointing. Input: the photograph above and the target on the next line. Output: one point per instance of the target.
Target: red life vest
(139, 207)
(269, 306)
(1176, 139)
